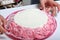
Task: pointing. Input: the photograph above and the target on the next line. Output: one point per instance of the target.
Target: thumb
(43, 5)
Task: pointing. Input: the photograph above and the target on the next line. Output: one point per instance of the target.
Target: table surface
(6, 12)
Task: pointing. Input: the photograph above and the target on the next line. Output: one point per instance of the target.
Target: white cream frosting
(31, 18)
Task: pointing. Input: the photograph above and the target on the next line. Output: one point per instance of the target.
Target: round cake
(30, 24)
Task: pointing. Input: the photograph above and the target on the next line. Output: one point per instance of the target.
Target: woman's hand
(2, 24)
(49, 5)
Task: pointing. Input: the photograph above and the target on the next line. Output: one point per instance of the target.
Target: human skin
(49, 5)
(2, 24)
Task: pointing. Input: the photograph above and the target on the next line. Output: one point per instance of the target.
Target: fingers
(48, 9)
(57, 5)
(3, 21)
(54, 11)
(1, 30)
(50, 5)
(2, 24)
(43, 4)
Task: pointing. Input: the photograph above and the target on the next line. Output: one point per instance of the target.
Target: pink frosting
(18, 32)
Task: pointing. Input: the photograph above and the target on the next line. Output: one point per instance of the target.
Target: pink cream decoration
(17, 32)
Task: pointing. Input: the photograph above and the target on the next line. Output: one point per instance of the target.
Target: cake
(30, 24)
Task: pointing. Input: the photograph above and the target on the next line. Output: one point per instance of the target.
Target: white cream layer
(31, 18)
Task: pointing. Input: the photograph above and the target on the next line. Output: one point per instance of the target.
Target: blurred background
(4, 4)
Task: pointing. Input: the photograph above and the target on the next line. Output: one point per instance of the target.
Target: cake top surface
(31, 18)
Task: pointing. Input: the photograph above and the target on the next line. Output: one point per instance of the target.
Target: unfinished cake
(30, 24)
